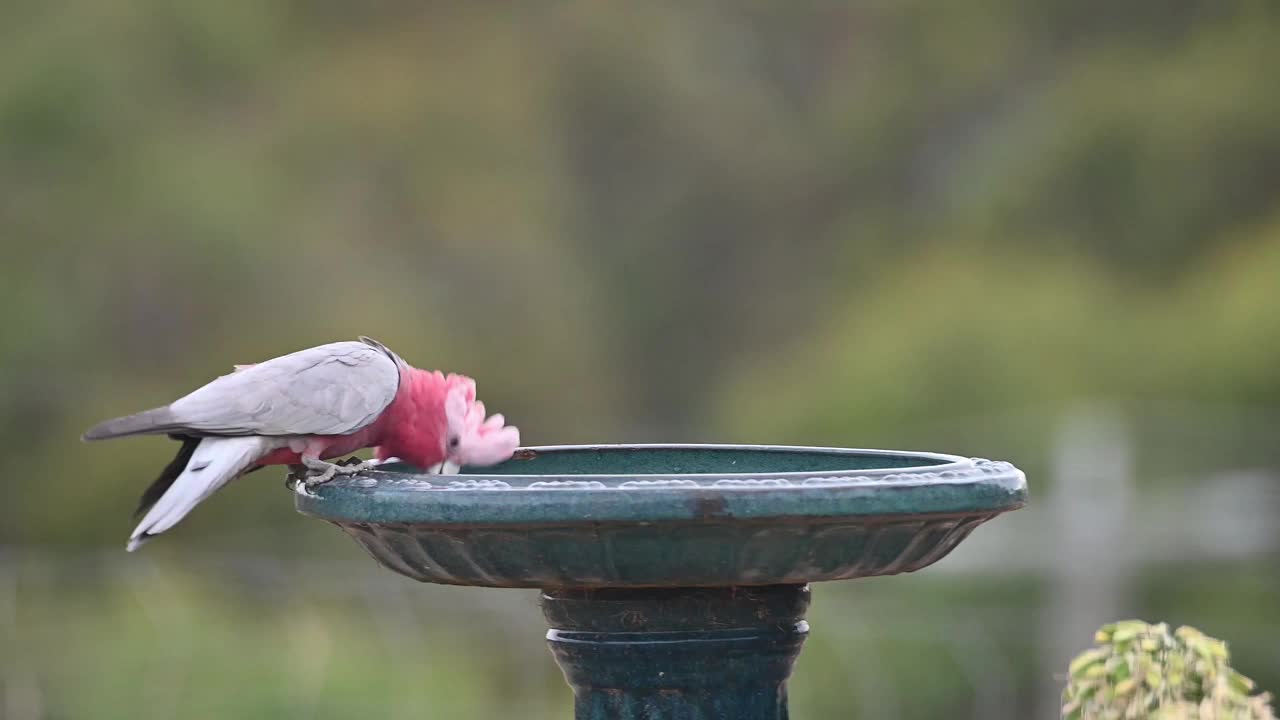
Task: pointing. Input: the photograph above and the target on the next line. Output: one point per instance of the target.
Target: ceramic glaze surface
(670, 516)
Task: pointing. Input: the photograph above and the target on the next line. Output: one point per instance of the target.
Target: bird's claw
(318, 472)
(300, 487)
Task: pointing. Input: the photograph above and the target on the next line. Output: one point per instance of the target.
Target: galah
(303, 409)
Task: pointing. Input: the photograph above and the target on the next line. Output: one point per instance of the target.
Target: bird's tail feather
(161, 485)
(154, 421)
(214, 462)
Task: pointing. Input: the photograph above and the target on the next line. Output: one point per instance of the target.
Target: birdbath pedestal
(674, 577)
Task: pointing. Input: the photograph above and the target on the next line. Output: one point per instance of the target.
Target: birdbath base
(678, 653)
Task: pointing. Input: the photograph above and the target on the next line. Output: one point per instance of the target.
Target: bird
(303, 409)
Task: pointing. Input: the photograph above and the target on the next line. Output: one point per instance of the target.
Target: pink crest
(481, 440)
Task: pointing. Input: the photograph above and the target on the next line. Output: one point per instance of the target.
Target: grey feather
(143, 423)
(375, 344)
(213, 463)
(332, 389)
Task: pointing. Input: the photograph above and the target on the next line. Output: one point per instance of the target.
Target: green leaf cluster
(1140, 671)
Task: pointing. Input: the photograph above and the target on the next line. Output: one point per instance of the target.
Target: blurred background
(1045, 232)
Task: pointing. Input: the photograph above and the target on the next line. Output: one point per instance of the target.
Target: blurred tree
(907, 224)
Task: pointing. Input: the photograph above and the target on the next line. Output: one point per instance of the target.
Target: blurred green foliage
(1140, 671)
(904, 224)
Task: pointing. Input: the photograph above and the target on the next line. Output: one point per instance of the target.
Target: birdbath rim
(932, 460)
(835, 482)
(924, 462)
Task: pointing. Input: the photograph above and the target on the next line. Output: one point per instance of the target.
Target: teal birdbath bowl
(674, 577)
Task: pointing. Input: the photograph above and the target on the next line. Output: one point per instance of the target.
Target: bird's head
(471, 438)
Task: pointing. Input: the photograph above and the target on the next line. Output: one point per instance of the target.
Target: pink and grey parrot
(302, 409)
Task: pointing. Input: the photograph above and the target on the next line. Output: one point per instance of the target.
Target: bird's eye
(453, 442)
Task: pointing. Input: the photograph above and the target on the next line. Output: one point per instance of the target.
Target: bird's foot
(297, 480)
(320, 471)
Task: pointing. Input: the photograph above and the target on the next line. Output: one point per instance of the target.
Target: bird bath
(674, 577)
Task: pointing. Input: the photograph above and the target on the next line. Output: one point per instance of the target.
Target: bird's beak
(448, 467)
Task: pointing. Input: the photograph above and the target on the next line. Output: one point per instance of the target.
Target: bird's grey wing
(331, 389)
